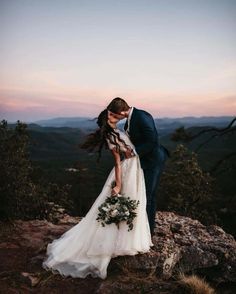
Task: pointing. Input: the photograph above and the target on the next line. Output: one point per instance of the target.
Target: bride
(88, 247)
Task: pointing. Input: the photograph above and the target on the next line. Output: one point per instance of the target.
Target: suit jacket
(144, 136)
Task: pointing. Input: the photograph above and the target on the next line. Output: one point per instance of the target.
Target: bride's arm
(116, 155)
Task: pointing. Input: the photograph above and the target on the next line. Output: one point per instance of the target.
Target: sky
(67, 58)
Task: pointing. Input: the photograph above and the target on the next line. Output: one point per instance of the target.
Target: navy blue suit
(144, 136)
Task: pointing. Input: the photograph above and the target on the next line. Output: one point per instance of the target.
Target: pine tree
(188, 190)
(20, 196)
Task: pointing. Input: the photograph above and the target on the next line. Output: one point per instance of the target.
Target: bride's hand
(115, 190)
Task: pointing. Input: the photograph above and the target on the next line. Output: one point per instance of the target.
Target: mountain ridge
(172, 123)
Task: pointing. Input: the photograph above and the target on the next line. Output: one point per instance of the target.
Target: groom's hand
(129, 153)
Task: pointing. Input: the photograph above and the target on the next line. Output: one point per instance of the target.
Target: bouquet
(116, 209)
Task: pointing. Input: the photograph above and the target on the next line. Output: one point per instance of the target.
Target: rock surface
(181, 244)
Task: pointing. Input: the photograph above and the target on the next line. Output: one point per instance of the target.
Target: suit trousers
(152, 178)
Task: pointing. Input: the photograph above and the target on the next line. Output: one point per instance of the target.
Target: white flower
(114, 212)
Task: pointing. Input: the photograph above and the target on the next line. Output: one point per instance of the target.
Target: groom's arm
(149, 134)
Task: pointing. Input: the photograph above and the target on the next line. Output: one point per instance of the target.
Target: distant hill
(167, 125)
(50, 142)
(72, 122)
(62, 143)
(164, 125)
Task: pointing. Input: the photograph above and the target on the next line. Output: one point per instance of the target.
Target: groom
(140, 127)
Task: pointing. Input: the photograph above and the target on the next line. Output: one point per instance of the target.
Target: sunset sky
(172, 58)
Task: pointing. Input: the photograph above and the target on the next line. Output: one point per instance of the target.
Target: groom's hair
(117, 105)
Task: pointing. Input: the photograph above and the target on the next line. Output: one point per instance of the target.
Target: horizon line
(93, 118)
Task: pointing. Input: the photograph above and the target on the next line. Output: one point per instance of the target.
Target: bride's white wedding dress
(88, 247)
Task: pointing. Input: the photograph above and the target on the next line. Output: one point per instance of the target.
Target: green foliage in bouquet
(116, 209)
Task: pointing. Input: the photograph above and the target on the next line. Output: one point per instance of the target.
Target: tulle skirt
(88, 247)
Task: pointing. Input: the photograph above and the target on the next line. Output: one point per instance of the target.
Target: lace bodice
(125, 138)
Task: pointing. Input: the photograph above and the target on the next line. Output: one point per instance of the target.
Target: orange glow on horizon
(47, 105)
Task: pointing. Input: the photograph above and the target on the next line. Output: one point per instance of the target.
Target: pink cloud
(32, 106)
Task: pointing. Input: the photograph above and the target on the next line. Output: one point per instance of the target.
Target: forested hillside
(57, 158)
(56, 149)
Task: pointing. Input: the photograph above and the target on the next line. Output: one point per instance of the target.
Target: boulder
(181, 245)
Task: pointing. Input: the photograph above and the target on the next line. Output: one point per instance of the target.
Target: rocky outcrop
(186, 245)
(181, 244)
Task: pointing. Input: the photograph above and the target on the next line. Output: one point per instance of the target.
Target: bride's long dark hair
(97, 140)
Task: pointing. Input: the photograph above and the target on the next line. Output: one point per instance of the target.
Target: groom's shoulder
(142, 112)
